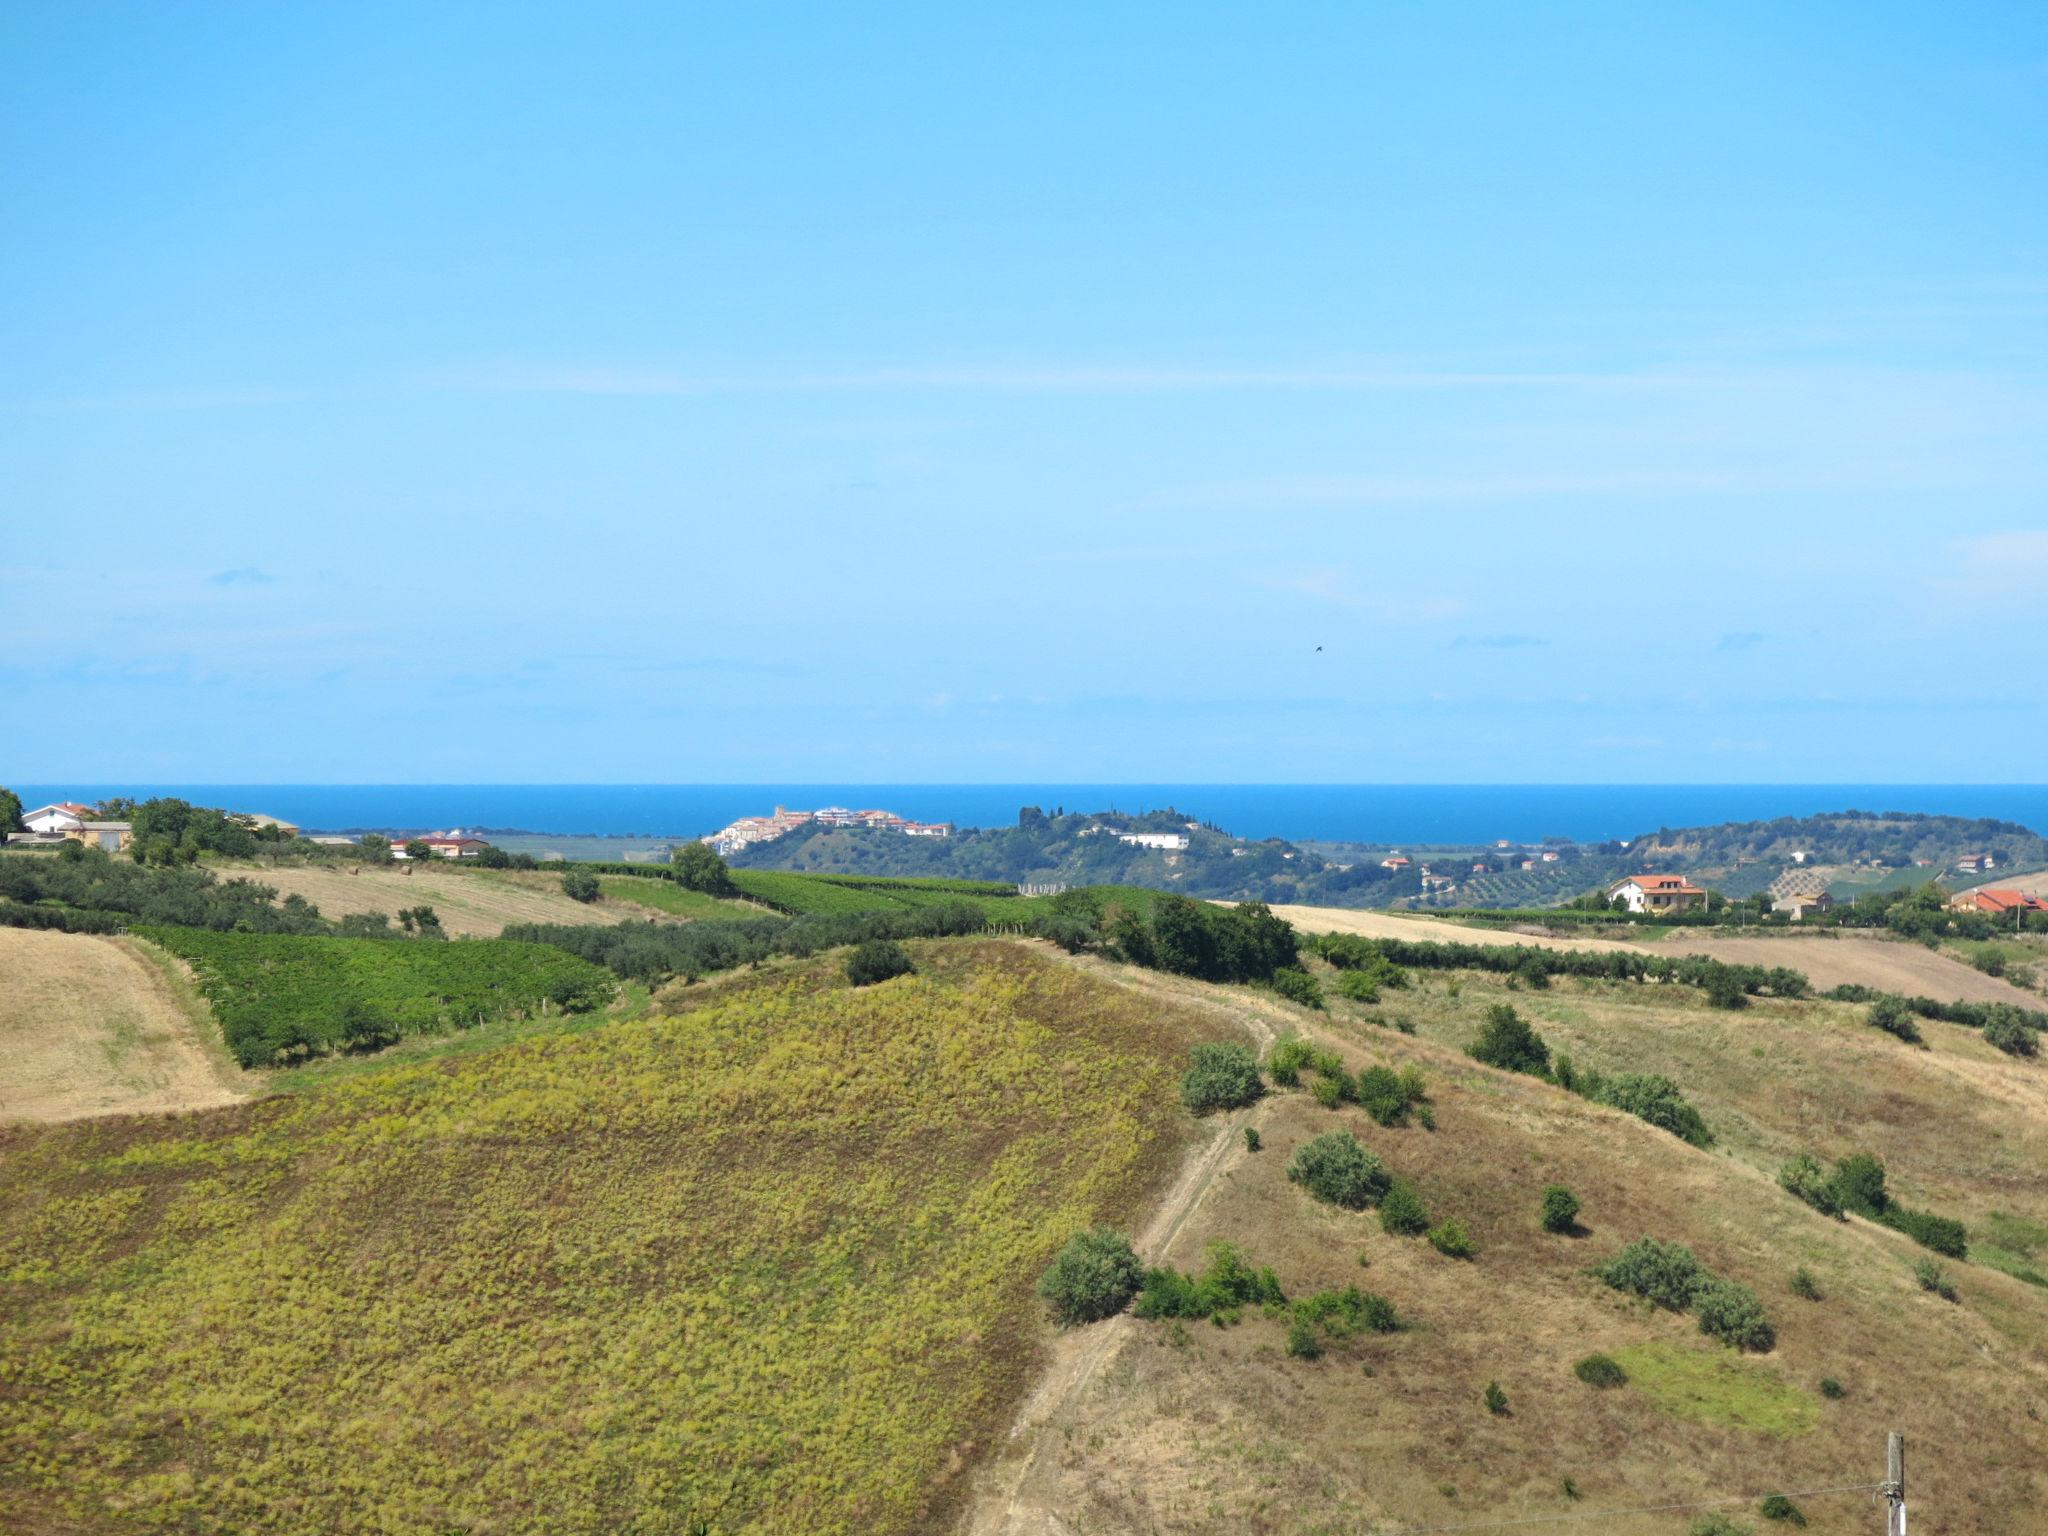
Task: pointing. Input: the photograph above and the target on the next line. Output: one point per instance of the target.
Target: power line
(1641, 1509)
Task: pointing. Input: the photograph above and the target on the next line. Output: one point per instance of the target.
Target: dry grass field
(1828, 961)
(96, 1026)
(1199, 1429)
(471, 903)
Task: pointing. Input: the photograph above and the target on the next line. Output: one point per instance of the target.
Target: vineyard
(765, 1265)
(844, 895)
(279, 996)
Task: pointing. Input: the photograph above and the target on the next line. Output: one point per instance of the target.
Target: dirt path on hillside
(94, 1026)
(1002, 1506)
(1891, 965)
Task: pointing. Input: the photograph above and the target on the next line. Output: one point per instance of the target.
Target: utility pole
(1894, 1487)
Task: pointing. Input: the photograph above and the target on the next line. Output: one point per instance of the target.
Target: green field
(766, 1264)
(282, 995)
(667, 896)
(840, 895)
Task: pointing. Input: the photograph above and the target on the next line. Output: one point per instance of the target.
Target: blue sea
(1370, 813)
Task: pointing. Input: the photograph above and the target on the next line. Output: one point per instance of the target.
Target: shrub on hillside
(1219, 1292)
(1560, 1209)
(1891, 1015)
(696, 867)
(1832, 1389)
(1933, 1277)
(876, 960)
(1297, 986)
(1778, 1507)
(1401, 1210)
(1803, 1179)
(1094, 1276)
(1656, 1099)
(1858, 1183)
(1725, 989)
(580, 885)
(1731, 1313)
(1507, 1041)
(2007, 1028)
(1220, 1076)
(1302, 1342)
(1495, 1399)
(1452, 1241)
(1943, 1234)
(1803, 1285)
(1284, 1062)
(1387, 1095)
(1337, 1168)
(1666, 1274)
(1602, 1371)
(1717, 1524)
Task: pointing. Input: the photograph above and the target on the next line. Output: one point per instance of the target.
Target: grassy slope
(1219, 1431)
(665, 896)
(770, 1257)
(471, 903)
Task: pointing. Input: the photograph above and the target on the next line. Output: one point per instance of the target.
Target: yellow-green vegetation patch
(767, 1264)
(1717, 1386)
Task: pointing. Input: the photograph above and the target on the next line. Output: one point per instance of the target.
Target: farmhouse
(443, 845)
(63, 817)
(1656, 893)
(1796, 907)
(1999, 903)
(1173, 841)
(1976, 863)
(927, 829)
(1394, 861)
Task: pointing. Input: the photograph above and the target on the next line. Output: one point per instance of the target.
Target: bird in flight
(1319, 648)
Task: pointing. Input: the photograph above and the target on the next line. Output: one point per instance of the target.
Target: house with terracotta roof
(1999, 903)
(62, 817)
(1656, 893)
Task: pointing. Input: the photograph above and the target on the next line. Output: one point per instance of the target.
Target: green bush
(1803, 1179)
(1731, 1313)
(2006, 1028)
(1778, 1507)
(1094, 1276)
(1386, 1095)
(1223, 1076)
(1717, 1524)
(1560, 1209)
(1831, 1388)
(1507, 1041)
(1858, 1183)
(1329, 1091)
(1666, 1274)
(1891, 1015)
(1251, 1138)
(1302, 1342)
(580, 885)
(1401, 1210)
(1344, 1314)
(1803, 1284)
(1496, 1400)
(1724, 988)
(1219, 1293)
(1297, 986)
(1943, 1234)
(1358, 986)
(1933, 1277)
(1602, 1371)
(1452, 1241)
(1284, 1062)
(877, 960)
(1337, 1168)
(1657, 1100)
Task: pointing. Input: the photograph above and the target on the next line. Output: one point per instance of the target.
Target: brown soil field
(1828, 961)
(97, 1026)
(471, 903)
(1153, 1427)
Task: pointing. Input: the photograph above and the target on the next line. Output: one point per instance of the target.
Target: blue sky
(667, 393)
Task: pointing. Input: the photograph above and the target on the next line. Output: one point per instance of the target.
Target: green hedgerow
(1452, 1241)
(1224, 1076)
(1601, 1371)
(1401, 1210)
(1094, 1276)
(1337, 1168)
(1891, 1015)
(1560, 1209)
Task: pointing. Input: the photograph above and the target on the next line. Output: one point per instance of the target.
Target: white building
(64, 816)
(1656, 893)
(1171, 841)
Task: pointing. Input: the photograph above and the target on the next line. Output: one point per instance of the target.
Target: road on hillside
(1891, 965)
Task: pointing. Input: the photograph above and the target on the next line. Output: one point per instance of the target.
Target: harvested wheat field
(96, 1026)
(471, 903)
(1891, 965)
(1159, 1426)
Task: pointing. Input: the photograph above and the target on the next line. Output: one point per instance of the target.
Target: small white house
(65, 816)
(1171, 841)
(1656, 893)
